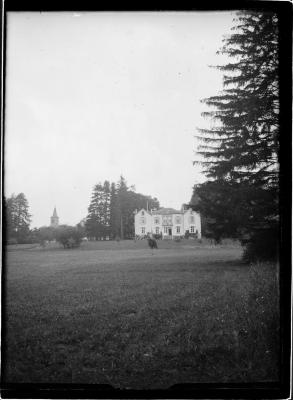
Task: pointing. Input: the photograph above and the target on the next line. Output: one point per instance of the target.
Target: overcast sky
(91, 96)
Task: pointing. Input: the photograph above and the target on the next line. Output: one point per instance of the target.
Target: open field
(114, 313)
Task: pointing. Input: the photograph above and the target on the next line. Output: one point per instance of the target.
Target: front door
(170, 231)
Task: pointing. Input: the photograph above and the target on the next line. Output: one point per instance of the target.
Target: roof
(55, 213)
(143, 209)
(166, 211)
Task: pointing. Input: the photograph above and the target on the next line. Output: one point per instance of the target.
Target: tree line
(17, 230)
(240, 153)
(111, 210)
(110, 216)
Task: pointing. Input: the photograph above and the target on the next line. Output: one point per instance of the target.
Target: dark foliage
(69, 236)
(112, 207)
(46, 233)
(262, 245)
(98, 218)
(240, 154)
(17, 219)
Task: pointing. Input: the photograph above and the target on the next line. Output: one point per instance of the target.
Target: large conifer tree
(112, 207)
(95, 221)
(114, 212)
(106, 208)
(240, 154)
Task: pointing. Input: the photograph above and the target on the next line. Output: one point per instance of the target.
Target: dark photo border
(256, 390)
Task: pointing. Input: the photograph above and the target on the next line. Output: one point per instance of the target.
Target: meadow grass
(114, 313)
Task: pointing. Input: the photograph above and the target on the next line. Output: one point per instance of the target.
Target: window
(157, 230)
(157, 220)
(178, 219)
(142, 213)
(165, 229)
(167, 220)
(191, 219)
(143, 231)
(178, 229)
(142, 220)
(192, 229)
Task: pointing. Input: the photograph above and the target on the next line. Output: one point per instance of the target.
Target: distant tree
(114, 212)
(112, 207)
(106, 214)
(241, 152)
(137, 201)
(81, 229)
(95, 221)
(122, 201)
(17, 218)
(45, 233)
(69, 236)
(125, 208)
(9, 218)
(128, 201)
(34, 235)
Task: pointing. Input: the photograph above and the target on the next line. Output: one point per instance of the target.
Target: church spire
(55, 213)
(54, 219)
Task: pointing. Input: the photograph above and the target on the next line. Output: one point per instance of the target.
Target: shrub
(192, 235)
(69, 236)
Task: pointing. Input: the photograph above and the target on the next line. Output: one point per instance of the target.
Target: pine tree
(122, 202)
(95, 219)
(114, 212)
(240, 153)
(112, 208)
(106, 208)
(244, 145)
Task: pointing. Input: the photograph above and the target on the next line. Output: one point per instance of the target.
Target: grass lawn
(114, 313)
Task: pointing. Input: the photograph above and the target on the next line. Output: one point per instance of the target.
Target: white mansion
(168, 222)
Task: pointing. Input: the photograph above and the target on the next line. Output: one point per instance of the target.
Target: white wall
(150, 226)
(154, 225)
(175, 224)
(138, 225)
(196, 224)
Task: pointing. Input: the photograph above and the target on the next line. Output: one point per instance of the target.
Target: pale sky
(91, 96)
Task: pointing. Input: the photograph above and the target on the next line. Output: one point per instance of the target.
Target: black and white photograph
(144, 237)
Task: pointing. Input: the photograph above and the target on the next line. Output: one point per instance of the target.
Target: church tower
(54, 219)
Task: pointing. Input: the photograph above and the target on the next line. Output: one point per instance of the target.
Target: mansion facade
(167, 222)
